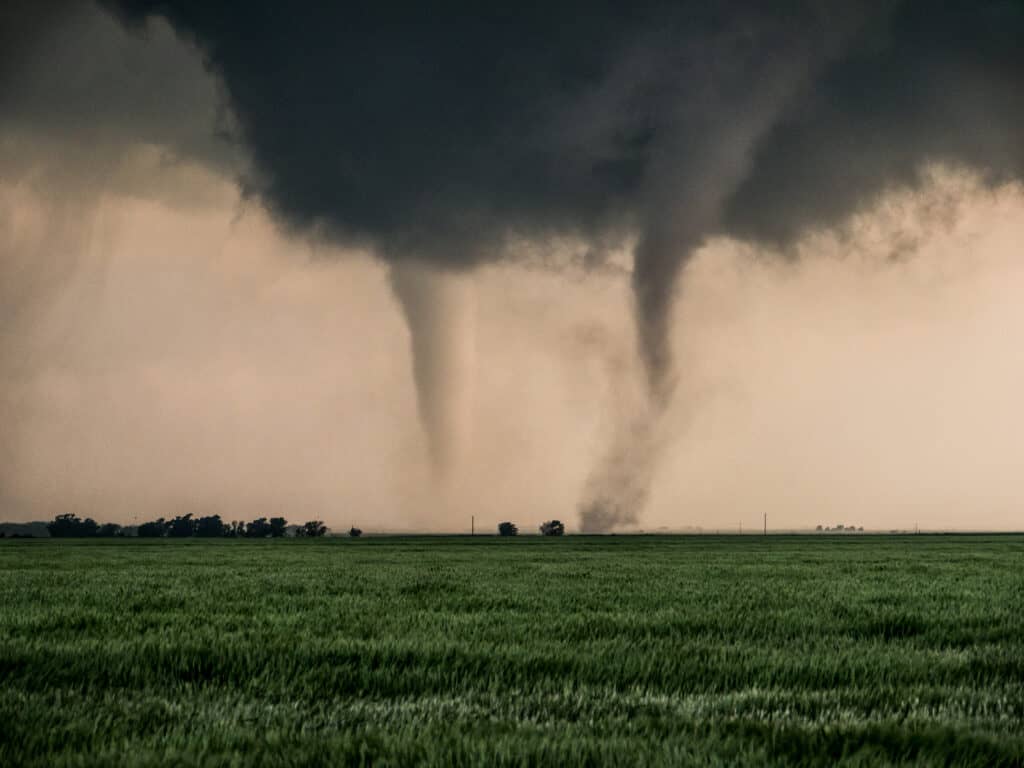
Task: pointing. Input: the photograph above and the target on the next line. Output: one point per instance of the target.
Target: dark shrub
(311, 529)
(552, 528)
(181, 527)
(109, 530)
(211, 526)
(354, 532)
(68, 525)
(278, 526)
(153, 530)
(258, 528)
(507, 529)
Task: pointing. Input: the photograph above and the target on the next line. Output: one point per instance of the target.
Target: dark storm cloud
(434, 131)
(77, 92)
(429, 131)
(930, 82)
(24, 26)
(442, 130)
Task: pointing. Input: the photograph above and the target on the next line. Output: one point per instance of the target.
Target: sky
(673, 269)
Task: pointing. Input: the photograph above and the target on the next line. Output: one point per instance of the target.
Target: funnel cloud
(439, 313)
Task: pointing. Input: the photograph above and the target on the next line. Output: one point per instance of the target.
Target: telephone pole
(472, 525)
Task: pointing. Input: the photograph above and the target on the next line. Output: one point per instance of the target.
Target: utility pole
(472, 525)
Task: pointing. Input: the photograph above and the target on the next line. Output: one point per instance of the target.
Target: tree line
(550, 528)
(185, 526)
(213, 526)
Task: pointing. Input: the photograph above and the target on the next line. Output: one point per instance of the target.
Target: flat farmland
(627, 650)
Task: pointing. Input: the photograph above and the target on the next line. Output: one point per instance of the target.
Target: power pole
(472, 525)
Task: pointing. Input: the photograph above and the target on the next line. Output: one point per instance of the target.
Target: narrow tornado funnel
(439, 308)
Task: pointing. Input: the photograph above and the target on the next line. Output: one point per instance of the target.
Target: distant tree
(278, 527)
(818, 528)
(109, 530)
(182, 527)
(257, 529)
(238, 528)
(31, 530)
(354, 532)
(72, 526)
(860, 528)
(507, 529)
(552, 528)
(838, 527)
(311, 529)
(154, 529)
(211, 526)
(63, 526)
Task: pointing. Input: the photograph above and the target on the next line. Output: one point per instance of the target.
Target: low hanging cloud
(436, 134)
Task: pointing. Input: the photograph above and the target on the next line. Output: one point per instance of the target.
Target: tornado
(439, 310)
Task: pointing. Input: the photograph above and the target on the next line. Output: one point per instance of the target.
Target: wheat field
(659, 650)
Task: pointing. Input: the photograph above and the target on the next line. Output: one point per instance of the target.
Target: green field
(486, 651)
